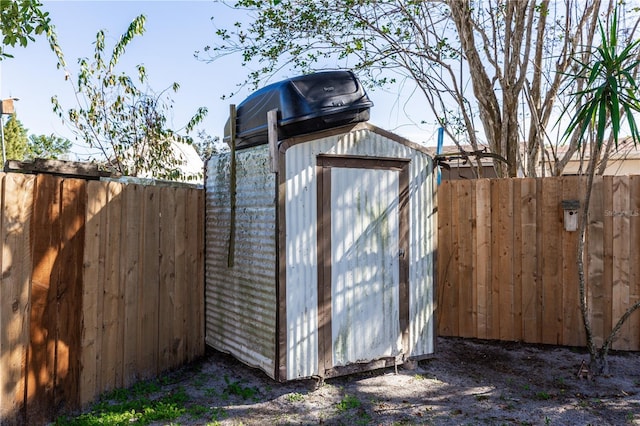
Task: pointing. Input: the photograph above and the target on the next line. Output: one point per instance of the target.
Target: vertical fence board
(531, 318)
(69, 293)
(595, 260)
(466, 307)
(167, 278)
(191, 308)
(101, 384)
(131, 222)
(453, 295)
(516, 206)
(493, 288)
(112, 306)
(9, 404)
(634, 259)
(502, 260)
(194, 304)
(607, 274)
(200, 238)
(445, 260)
(17, 205)
(483, 253)
(506, 304)
(552, 261)
(180, 283)
(473, 241)
(581, 337)
(620, 253)
(45, 230)
(572, 322)
(540, 259)
(149, 294)
(93, 276)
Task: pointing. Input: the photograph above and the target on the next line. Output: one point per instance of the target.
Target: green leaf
(20, 20)
(601, 123)
(610, 91)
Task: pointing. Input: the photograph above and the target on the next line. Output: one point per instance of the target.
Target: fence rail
(507, 268)
(101, 286)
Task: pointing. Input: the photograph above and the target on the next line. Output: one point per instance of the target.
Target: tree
(491, 71)
(207, 145)
(48, 147)
(610, 93)
(15, 139)
(20, 21)
(19, 146)
(127, 124)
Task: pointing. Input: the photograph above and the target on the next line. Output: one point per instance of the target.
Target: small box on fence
(570, 208)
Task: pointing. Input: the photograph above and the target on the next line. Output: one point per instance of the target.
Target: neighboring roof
(192, 163)
(192, 166)
(625, 150)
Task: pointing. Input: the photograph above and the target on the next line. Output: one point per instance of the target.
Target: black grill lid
(305, 104)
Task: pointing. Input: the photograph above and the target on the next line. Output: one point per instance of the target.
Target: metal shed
(326, 266)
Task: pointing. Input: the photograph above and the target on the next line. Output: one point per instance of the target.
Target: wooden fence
(507, 269)
(101, 282)
(101, 286)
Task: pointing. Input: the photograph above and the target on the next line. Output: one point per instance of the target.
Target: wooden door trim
(324, 163)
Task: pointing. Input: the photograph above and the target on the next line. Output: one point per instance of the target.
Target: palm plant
(609, 96)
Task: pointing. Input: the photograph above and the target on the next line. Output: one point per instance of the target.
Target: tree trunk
(483, 90)
(582, 285)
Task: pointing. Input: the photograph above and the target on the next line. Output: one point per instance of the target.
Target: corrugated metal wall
(301, 243)
(423, 237)
(241, 300)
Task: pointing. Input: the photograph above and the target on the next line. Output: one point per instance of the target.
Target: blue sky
(174, 31)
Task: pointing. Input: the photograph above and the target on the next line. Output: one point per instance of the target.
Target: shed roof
(286, 143)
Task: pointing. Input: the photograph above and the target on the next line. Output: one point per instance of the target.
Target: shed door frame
(324, 163)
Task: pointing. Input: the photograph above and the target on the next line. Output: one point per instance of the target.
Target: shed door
(363, 259)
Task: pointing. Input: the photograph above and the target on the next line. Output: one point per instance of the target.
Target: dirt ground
(466, 382)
